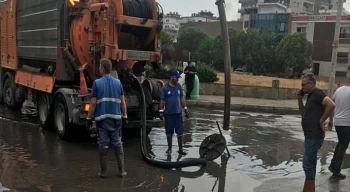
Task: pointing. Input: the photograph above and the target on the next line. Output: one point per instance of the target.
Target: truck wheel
(9, 94)
(61, 118)
(45, 118)
(1, 98)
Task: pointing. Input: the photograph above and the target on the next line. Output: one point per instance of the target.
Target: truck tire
(9, 94)
(61, 118)
(1, 97)
(45, 118)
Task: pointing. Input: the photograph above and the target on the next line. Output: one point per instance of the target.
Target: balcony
(308, 10)
(271, 1)
(342, 60)
(344, 41)
(247, 1)
(248, 10)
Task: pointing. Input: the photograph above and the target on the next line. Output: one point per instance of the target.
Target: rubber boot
(120, 160)
(179, 140)
(309, 186)
(170, 144)
(338, 175)
(103, 163)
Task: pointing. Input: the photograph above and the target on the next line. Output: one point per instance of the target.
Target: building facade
(203, 16)
(171, 24)
(320, 31)
(172, 21)
(295, 7)
(278, 23)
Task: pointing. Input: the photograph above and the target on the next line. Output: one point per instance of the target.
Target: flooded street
(266, 151)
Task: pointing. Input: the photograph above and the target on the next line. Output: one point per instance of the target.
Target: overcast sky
(187, 7)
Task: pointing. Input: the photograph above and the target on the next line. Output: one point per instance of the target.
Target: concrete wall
(248, 91)
(271, 8)
(326, 68)
(310, 27)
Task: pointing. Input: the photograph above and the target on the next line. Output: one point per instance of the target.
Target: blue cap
(175, 73)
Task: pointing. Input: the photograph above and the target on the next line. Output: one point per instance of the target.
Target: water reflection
(263, 146)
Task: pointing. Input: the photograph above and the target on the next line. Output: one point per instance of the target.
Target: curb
(245, 108)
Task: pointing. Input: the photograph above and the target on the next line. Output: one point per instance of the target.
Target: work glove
(186, 112)
(161, 114)
(125, 120)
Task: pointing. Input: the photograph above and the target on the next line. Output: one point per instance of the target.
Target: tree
(236, 42)
(189, 39)
(294, 51)
(270, 41)
(167, 45)
(253, 49)
(209, 51)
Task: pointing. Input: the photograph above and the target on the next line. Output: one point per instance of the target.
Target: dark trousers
(343, 133)
(109, 133)
(311, 148)
(189, 87)
(173, 122)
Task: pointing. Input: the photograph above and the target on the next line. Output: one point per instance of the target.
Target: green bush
(206, 73)
(162, 72)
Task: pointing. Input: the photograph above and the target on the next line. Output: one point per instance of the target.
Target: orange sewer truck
(50, 52)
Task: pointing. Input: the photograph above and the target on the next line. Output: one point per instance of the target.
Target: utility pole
(227, 60)
(335, 49)
(348, 69)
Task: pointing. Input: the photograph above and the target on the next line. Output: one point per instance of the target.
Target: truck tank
(50, 52)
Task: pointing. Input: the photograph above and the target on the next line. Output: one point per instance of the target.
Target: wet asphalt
(266, 151)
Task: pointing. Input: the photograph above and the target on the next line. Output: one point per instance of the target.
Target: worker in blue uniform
(172, 99)
(108, 114)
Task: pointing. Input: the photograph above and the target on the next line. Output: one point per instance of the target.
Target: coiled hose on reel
(144, 150)
(139, 9)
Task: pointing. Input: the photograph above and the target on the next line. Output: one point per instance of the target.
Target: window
(246, 24)
(316, 68)
(342, 57)
(340, 73)
(167, 20)
(301, 29)
(344, 32)
(282, 26)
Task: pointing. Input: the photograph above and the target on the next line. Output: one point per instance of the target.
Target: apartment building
(320, 31)
(171, 24)
(173, 21)
(295, 7)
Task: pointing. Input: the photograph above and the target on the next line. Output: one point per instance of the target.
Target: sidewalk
(247, 104)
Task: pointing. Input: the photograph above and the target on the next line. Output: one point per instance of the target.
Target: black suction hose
(144, 151)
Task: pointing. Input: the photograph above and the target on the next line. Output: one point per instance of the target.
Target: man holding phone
(315, 112)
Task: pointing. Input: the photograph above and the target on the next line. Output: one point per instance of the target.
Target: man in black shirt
(317, 110)
(190, 72)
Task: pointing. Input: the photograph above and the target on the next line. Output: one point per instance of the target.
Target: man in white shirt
(341, 98)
